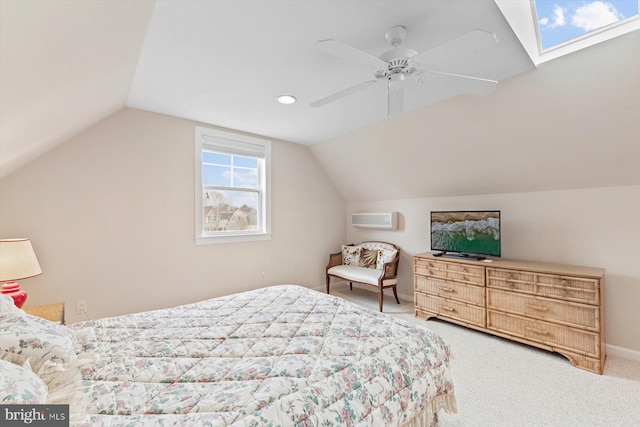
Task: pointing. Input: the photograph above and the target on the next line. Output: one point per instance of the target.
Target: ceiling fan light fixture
(398, 64)
(396, 34)
(286, 99)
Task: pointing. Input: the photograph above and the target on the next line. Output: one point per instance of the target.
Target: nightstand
(52, 312)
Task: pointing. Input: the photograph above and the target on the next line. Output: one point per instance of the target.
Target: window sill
(237, 238)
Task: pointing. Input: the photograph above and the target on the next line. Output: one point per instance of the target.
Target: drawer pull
(448, 290)
(537, 331)
(449, 309)
(537, 307)
(564, 283)
(509, 285)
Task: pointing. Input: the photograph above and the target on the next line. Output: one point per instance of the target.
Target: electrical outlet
(81, 307)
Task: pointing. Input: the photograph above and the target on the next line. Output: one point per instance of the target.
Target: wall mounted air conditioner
(379, 220)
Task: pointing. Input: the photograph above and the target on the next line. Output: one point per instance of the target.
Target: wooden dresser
(550, 306)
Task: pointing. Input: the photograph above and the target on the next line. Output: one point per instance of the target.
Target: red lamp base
(12, 289)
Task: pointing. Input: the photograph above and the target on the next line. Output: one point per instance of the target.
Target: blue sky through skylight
(563, 20)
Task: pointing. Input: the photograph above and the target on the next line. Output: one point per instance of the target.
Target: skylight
(563, 21)
(549, 29)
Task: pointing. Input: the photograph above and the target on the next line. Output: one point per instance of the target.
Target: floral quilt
(278, 356)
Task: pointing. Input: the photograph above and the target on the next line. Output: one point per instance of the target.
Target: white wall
(111, 217)
(593, 227)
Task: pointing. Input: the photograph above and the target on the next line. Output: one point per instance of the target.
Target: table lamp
(17, 261)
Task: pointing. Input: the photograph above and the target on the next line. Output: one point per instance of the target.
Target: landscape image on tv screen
(469, 232)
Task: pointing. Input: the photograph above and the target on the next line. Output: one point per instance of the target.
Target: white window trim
(230, 137)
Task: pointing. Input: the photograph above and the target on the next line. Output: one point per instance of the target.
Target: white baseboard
(625, 353)
(408, 298)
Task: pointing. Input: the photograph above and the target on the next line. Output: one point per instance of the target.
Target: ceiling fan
(394, 66)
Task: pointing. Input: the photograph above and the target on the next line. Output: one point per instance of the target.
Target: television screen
(468, 232)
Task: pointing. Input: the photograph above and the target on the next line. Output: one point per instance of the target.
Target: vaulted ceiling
(570, 123)
(65, 65)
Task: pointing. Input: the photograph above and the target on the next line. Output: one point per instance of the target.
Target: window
(550, 29)
(561, 22)
(232, 187)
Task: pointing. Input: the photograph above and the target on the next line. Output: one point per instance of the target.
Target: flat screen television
(465, 234)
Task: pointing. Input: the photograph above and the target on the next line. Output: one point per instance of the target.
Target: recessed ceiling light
(286, 99)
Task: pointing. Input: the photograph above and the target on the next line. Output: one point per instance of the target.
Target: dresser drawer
(553, 335)
(548, 285)
(457, 291)
(450, 271)
(465, 273)
(567, 313)
(430, 268)
(450, 309)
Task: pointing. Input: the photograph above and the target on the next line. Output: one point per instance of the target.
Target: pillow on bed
(8, 306)
(351, 255)
(46, 345)
(18, 385)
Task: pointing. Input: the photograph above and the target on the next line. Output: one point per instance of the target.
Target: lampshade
(17, 260)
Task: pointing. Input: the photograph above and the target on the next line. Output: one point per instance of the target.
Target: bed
(278, 356)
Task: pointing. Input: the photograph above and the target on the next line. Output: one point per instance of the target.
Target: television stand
(462, 255)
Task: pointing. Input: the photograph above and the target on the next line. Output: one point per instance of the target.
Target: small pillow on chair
(368, 258)
(351, 255)
(385, 256)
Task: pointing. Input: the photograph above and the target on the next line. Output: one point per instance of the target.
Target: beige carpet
(500, 383)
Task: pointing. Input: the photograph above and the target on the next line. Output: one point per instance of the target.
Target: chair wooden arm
(334, 259)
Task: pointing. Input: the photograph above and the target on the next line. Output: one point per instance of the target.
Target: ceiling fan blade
(350, 53)
(343, 93)
(395, 99)
(456, 47)
(464, 84)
